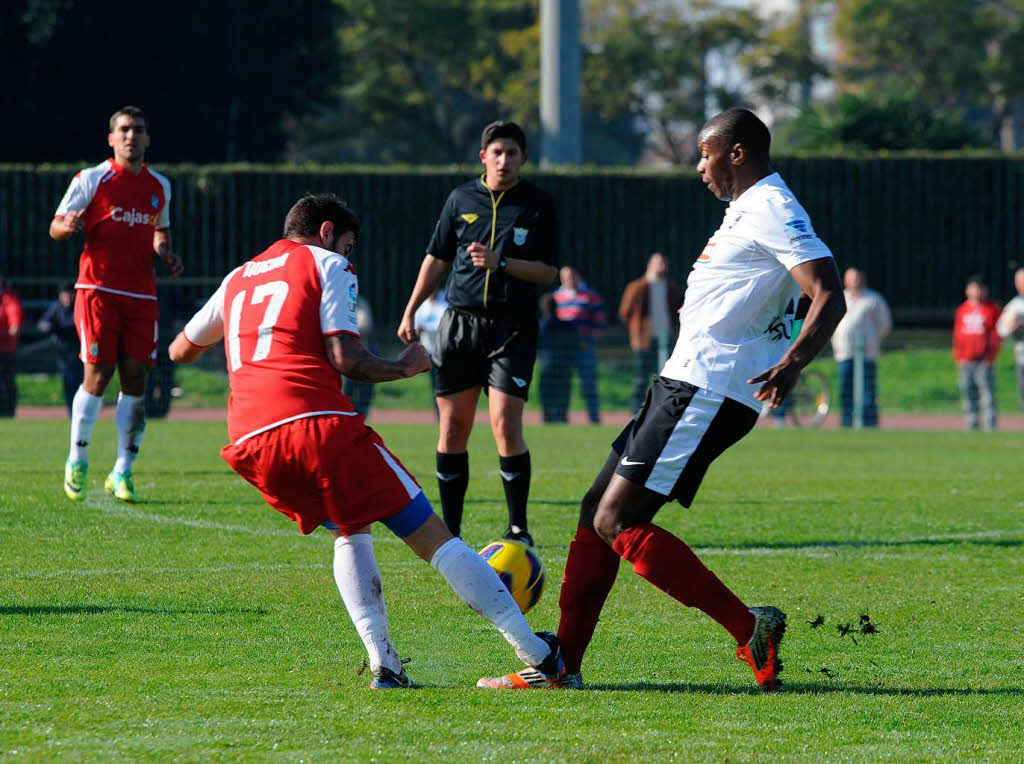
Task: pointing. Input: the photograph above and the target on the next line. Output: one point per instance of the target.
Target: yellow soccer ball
(519, 569)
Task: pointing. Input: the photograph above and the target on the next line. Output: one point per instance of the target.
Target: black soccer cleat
(515, 533)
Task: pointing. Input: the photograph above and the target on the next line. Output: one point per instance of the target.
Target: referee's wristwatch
(502, 264)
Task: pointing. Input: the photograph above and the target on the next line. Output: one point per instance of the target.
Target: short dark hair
(498, 130)
(977, 278)
(739, 126)
(128, 111)
(312, 210)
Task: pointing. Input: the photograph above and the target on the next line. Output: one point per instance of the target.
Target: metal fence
(918, 226)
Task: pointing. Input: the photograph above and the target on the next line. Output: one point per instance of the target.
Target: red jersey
(11, 316)
(122, 211)
(273, 313)
(974, 332)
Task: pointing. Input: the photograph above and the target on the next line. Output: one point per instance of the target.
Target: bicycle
(807, 404)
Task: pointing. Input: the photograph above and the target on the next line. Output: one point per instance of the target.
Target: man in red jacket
(975, 347)
(11, 315)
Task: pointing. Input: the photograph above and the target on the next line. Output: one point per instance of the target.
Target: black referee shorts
(484, 351)
(678, 432)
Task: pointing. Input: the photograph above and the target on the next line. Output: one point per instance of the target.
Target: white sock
(478, 586)
(131, 424)
(85, 408)
(358, 579)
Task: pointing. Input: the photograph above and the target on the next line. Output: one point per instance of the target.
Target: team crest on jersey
(519, 236)
(469, 217)
(353, 298)
(94, 349)
(155, 201)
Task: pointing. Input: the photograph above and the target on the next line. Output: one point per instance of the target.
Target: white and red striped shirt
(273, 313)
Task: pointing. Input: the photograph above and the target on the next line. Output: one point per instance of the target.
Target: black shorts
(678, 432)
(484, 351)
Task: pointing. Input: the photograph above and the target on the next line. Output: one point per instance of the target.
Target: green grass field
(199, 625)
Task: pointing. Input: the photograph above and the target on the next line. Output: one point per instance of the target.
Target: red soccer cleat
(761, 653)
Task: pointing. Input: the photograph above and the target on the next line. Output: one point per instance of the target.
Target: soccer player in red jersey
(123, 208)
(288, 321)
(733, 354)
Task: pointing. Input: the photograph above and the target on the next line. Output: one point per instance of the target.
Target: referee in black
(498, 236)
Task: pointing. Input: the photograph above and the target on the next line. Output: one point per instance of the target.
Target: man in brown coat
(648, 310)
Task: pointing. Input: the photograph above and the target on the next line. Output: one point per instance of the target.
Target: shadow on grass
(797, 688)
(101, 609)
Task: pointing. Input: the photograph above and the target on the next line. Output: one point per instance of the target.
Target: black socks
(452, 481)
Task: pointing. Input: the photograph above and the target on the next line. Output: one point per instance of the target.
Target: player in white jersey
(732, 355)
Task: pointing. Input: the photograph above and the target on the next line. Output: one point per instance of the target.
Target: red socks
(590, 572)
(669, 564)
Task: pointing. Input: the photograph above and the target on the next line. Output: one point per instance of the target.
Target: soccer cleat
(761, 653)
(515, 533)
(549, 675)
(386, 679)
(75, 474)
(119, 485)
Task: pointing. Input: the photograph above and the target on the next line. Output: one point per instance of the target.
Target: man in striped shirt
(583, 308)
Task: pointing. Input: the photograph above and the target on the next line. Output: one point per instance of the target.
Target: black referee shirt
(516, 223)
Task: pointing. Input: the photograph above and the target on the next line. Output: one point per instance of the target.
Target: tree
(783, 66)
(649, 62)
(890, 120)
(419, 81)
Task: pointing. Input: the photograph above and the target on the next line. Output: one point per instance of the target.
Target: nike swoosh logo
(508, 476)
(447, 478)
(627, 463)
(518, 381)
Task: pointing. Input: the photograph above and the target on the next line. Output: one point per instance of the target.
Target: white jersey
(737, 316)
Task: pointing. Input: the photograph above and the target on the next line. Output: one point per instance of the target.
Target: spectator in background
(649, 309)
(556, 344)
(11, 315)
(1011, 324)
(426, 320)
(975, 346)
(59, 322)
(866, 322)
(361, 393)
(581, 307)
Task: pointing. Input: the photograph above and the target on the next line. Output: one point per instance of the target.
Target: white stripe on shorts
(685, 437)
(407, 482)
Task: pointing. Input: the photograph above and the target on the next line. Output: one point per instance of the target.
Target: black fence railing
(918, 226)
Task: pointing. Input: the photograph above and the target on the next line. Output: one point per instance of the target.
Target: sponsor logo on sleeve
(802, 229)
(519, 236)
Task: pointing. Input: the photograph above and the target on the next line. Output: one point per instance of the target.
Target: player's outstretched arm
(819, 279)
(431, 272)
(183, 351)
(350, 357)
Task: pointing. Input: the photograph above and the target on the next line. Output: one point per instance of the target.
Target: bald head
(739, 126)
